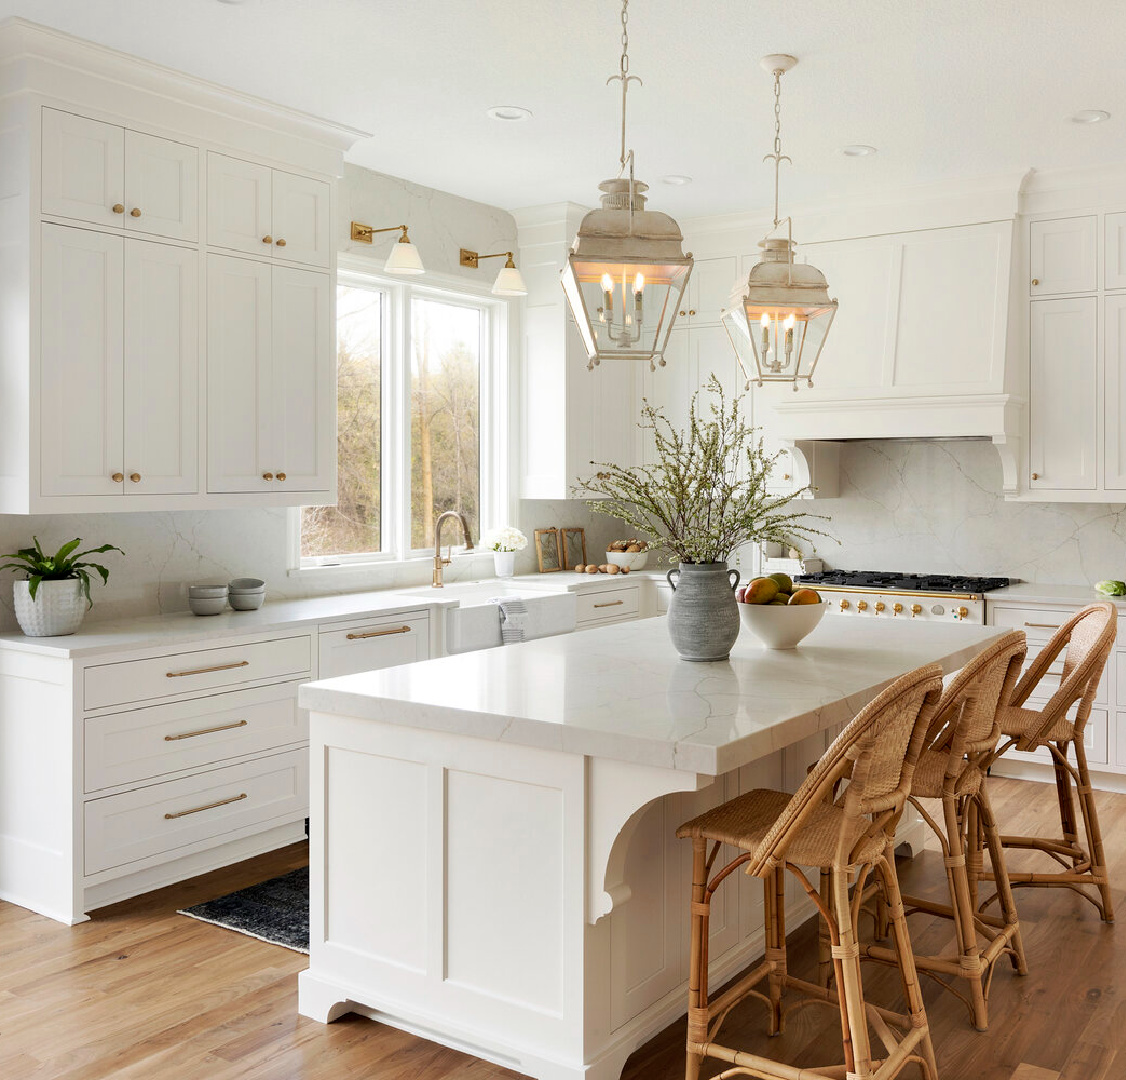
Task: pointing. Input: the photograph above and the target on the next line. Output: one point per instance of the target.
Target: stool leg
(962, 908)
(697, 962)
(850, 992)
(774, 907)
(824, 949)
(1001, 875)
(975, 845)
(1063, 797)
(1094, 833)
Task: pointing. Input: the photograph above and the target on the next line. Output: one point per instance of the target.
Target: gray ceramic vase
(703, 617)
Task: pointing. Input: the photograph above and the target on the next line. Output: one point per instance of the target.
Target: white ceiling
(944, 88)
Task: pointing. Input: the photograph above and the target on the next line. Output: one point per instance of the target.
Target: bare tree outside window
(353, 526)
(445, 413)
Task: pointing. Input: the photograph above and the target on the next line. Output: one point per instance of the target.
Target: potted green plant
(705, 496)
(53, 598)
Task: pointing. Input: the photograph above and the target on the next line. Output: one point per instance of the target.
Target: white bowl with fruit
(778, 613)
(628, 554)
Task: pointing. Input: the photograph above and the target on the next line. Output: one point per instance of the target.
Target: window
(420, 376)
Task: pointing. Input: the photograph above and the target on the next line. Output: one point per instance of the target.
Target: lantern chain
(625, 78)
(777, 156)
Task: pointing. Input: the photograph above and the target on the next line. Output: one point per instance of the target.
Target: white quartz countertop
(1028, 592)
(621, 691)
(183, 627)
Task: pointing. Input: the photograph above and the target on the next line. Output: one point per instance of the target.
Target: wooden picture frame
(574, 547)
(548, 551)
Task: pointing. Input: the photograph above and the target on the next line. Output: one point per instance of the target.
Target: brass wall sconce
(404, 258)
(508, 282)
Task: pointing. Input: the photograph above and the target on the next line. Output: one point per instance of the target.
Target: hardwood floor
(141, 993)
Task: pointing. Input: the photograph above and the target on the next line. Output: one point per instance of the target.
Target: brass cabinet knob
(786, 476)
(880, 606)
(118, 208)
(135, 477)
(684, 313)
(118, 478)
(1035, 281)
(281, 476)
(862, 606)
(280, 243)
(692, 311)
(135, 212)
(267, 476)
(1035, 476)
(844, 605)
(267, 239)
(896, 609)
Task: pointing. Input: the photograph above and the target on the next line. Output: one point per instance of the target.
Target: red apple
(740, 593)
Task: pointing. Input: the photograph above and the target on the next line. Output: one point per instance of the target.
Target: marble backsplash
(936, 506)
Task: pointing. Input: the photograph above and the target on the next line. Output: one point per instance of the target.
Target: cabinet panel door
(83, 168)
(709, 288)
(239, 398)
(1115, 252)
(1063, 393)
(302, 219)
(161, 368)
(1062, 255)
(1114, 400)
(162, 183)
(80, 366)
(303, 380)
(239, 212)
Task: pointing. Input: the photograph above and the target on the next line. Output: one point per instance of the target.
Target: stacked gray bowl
(247, 593)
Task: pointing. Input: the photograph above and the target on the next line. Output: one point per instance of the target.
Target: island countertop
(621, 692)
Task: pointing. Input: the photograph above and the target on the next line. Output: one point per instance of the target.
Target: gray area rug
(276, 911)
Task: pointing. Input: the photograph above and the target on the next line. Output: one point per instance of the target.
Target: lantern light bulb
(789, 323)
(639, 283)
(765, 320)
(607, 283)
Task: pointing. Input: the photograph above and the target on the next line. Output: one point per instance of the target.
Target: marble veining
(621, 691)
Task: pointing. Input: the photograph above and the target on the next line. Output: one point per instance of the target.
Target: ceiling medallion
(627, 269)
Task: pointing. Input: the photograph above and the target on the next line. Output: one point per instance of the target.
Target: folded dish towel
(514, 620)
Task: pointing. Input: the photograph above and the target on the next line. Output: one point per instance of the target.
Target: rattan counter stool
(851, 838)
(1088, 637)
(961, 738)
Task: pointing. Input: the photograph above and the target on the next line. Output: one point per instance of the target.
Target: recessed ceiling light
(857, 150)
(1090, 116)
(509, 113)
(676, 179)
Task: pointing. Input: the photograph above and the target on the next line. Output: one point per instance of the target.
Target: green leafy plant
(63, 565)
(706, 495)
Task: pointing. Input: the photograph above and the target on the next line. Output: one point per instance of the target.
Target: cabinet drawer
(608, 604)
(165, 818)
(189, 672)
(1050, 683)
(377, 643)
(133, 747)
(1039, 624)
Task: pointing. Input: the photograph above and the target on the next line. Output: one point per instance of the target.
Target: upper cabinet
(142, 368)
(1062, 255)
(108, 175)
(268, 213)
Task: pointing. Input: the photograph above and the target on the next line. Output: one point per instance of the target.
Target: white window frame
(494, 420)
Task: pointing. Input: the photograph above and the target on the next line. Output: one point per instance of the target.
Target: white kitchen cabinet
(372, 644)
(161, 369)
(271, 397)
(709, 290)
(107, 174)
(83, 168)
(1114, 247)
(1062, 255)
(268, 212)
(81, 373)
(1063, 394)
(1114, 398)
(161, 187)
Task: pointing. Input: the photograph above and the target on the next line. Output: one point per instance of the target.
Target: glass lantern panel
(624, 309)
(786, 341)
(735, 323)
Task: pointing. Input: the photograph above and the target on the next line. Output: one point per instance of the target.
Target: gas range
(891, 594)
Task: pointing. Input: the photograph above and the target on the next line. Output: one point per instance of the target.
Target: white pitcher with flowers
(504, 543)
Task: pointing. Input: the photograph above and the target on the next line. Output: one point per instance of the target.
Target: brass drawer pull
(1044, 625)
(209, 806)
(612, 603)
(118, 208)
(207, 670)
(135, 212)
(378, 633)
(205, 731)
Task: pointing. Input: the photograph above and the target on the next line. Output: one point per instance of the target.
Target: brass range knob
(135, 477)
(880, 606)
(861, 605)
(281, 476)
(267, 476)
(896, 609)
(962, 613)
(845, 605)
(135, 212)
(916, 609)
(280, 243)
(118, 208)
(118, 478)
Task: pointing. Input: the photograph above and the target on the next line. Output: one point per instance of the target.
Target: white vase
(504, 563)
(57, 610)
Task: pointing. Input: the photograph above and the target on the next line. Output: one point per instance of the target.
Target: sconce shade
(509, 283)
(403, 259)
(778, 321)
(625, 276)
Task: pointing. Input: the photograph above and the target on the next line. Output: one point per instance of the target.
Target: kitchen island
(493, 864)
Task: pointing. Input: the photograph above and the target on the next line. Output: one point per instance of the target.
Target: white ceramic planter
(57, 610)
(504, 563)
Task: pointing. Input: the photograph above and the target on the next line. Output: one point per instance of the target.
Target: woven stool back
(881, 746)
